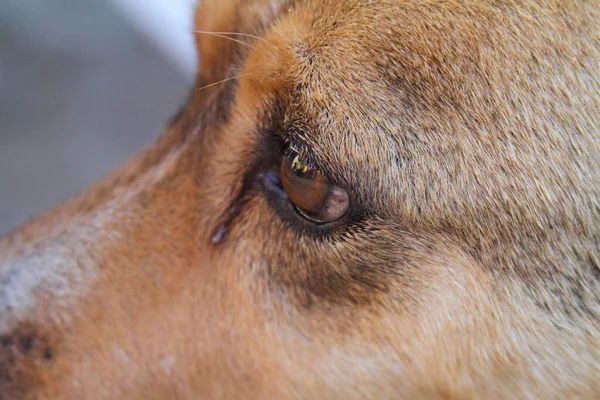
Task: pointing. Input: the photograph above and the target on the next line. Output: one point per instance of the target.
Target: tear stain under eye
(219, 234)
(256, 173)
(221, 231)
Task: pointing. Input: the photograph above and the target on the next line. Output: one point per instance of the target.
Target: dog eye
(313, 197)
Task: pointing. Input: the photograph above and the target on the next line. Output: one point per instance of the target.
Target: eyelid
(292, 143)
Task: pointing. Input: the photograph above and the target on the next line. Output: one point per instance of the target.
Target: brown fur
(467, 135)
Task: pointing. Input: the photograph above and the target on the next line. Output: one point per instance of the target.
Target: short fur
(467, 135)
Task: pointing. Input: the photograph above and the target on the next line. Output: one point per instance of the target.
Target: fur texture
(467, 136)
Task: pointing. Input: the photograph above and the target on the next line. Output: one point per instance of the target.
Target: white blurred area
(166, 23)
(84, 84)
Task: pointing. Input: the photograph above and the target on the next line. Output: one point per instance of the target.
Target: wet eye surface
(313, 197)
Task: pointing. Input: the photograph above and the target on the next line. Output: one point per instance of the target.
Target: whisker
(224, 80)
(223, 35)
(218, 34)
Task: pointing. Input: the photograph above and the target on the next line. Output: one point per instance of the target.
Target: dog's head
(361, 199)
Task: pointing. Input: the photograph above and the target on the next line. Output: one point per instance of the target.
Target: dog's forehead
(364, 76)
(407, 97)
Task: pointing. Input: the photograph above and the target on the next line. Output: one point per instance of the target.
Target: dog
(383, 199)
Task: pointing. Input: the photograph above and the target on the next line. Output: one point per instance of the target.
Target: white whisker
(224, 35)
(224, 80)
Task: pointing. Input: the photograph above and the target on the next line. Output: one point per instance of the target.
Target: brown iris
(311, 194)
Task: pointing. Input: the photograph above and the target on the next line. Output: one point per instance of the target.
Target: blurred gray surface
(80, 91)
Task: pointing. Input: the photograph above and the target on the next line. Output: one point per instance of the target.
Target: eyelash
(298, 149)
(290, 151)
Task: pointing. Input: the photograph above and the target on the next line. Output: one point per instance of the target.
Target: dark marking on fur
(27, 343)
(48, 354)
(24, 352)
(6, 341)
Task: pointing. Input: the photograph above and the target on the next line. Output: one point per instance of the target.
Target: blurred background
(84, 84)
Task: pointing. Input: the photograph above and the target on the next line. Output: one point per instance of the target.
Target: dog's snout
(36, 281)
(35, 293)
(27, 354)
